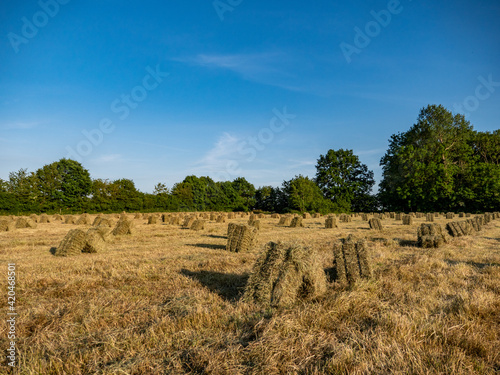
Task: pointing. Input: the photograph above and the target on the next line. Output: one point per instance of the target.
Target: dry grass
(168, 301)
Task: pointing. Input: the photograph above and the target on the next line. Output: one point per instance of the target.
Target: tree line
(440, 164)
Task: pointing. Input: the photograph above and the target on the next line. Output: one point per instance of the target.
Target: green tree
(344, 180)
(430, 166)
(246, 194)
(64, 183)
(303, 195)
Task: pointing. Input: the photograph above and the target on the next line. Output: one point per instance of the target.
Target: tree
(22, 187)
(246, 193)
(64, 183)
(432, 165)
(344, 180)
(303, 195)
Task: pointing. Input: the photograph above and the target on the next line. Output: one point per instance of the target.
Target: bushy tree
(344, 180)
(304, 195)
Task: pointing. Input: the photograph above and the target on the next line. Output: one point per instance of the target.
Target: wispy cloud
(269, 68)
(216, 159)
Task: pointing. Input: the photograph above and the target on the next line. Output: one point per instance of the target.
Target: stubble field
(167, 300)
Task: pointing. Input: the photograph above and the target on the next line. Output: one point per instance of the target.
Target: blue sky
(257, 89)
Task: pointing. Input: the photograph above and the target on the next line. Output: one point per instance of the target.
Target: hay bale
(317, 215)
(103, 231)
(94, 241)
(392, 215)
(275, 216)
(283, 274)
(364, 217)
(255, 224)
(101, 221)
(188, 222)
(285, 221)
(220, 219)
(25, 223)
(231, 215)
(69, 219)
(399, 216)
(240, 238)
(351, 260)
(7, 225)
(152, 219)
(123, 227)
(345, 218)
(57, 217)
(461, 214)
(459, 229)
(429, 217)
(450, 215)
(198, 224)
(72, 244)
(474, 222)
(407, 219)
(375, 224)
(137, 215)
(213, 216)
(44, 219)
(34, 218)
(430, 235)
(419, 215)
(330, 222)
(296, 222)
(306, 215)
(84, 220)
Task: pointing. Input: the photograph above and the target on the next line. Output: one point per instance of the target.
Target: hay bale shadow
(229, 286)
(331, 274)
(53, 250)
(470, 263)
(208, 246)
(214, 236)
(404, 242)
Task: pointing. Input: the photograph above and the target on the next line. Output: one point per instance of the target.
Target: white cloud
(109, 158)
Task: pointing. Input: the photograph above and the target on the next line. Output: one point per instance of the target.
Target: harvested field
(170, 301)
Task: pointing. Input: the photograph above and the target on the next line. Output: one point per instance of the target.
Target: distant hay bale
(351, 260)
(392, 215)
(459, 228)
(284, 274)
(306, 215)
(429, 217)
(83, 220)
(296, 222)
(220, 219)
(330, 222)
(231, 215)
(137, 215)
(317, 215)
(102, 221)
(254, 223)
(25, 223)
(103, 231)
(34, 218)
(399, 216)
(364, 217)
(430, 235)
(275, 216)
(407, 220)
(152, 219)
(198, 224)
(344, 218)
(474, 222)
(57, 217)
(44, 219)
(419, 215)
(7, 225)
(461, 214)
(188, 222)
(285, 221)
(487, 217)
(450, 215)
(240, 238)
(375, 224)
(69, 219)
(213, 216)
(123, 227)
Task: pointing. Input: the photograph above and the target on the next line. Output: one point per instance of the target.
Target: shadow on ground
(214, 236)
(208, 246)
(229, 286)
(470, 263)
